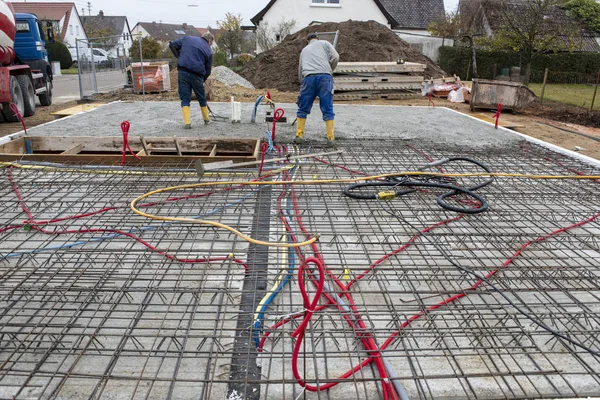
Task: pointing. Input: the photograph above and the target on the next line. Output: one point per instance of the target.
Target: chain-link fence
(103, 64)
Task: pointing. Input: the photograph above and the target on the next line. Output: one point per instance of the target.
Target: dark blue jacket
(193, 55)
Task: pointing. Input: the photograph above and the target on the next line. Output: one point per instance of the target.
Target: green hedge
(456, 60)
(57, 51)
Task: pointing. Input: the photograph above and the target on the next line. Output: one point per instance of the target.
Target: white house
(63, 17)
(115, 28)
(408, 18)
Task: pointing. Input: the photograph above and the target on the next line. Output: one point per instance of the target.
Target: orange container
(156, 77)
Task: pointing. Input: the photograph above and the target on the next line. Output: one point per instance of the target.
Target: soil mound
(358, 41)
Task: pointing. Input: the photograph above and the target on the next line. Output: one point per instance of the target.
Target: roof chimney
(101, 14)
(184, 25)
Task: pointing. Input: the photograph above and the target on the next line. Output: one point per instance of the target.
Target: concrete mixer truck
(24, 68)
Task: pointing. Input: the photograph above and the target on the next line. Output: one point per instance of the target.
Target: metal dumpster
(512, 95)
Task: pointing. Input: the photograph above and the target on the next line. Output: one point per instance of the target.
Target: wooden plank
(73, 150)
(141, 153)
(92, 159)
(144, 145)
(14, 147)
(257, 149)
(272, 160)
(213, 152)
(67, 112)
(177, 146)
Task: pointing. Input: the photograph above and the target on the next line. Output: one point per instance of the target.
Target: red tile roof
(48, 12)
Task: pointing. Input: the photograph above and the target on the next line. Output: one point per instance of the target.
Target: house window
(278, 38)
(326, 1)
(77, 29)
(179, 32)
(70, 29)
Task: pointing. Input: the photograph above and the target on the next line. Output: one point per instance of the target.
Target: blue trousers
(187, 83)
(314, 86)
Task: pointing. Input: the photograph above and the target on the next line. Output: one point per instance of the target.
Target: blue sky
(199, 13)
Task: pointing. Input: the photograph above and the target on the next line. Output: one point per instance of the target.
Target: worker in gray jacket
(318, 60)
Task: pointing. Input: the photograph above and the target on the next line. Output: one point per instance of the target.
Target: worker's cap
(312, 36)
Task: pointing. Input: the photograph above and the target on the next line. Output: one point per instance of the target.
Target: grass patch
(70, 71)
(577, 95)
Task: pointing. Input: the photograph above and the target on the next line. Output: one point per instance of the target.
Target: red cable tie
(497, 115)
(125, 126)
(279, 113)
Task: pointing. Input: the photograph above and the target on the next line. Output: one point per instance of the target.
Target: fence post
(94, 77)
(544, 86)
(142, 68)
(595, 91)
(79, 69)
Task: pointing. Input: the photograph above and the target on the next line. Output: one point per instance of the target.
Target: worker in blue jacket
(194, 63)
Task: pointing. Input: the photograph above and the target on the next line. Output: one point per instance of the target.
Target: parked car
(100, 56)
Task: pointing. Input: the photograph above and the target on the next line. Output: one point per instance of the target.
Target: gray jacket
(318, 57)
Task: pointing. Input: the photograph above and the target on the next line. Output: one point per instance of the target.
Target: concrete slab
(434, 126)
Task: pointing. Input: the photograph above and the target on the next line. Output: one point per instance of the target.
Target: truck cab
(30, 42)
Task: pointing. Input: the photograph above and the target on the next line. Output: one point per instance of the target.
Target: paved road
(66, 87)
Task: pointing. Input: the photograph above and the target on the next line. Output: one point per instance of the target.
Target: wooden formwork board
(108, 150)
(361, 67)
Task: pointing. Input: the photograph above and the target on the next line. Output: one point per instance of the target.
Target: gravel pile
(230, 78)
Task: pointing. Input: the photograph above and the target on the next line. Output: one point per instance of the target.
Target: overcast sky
(199, 13)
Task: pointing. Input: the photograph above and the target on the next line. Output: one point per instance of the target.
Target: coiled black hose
(432, 182)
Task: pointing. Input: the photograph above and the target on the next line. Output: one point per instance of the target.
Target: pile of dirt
(358, 41)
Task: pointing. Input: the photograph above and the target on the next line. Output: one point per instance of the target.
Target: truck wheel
(46, 97)
(28, 94)
(17, 97)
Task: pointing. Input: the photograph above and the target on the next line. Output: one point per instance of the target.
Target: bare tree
(266, 36)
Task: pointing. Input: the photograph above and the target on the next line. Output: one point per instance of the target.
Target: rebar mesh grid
(89, 312)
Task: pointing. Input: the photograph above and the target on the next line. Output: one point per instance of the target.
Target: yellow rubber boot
(187, 117)
(205, 115)
(329, 126)
(299, 139)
